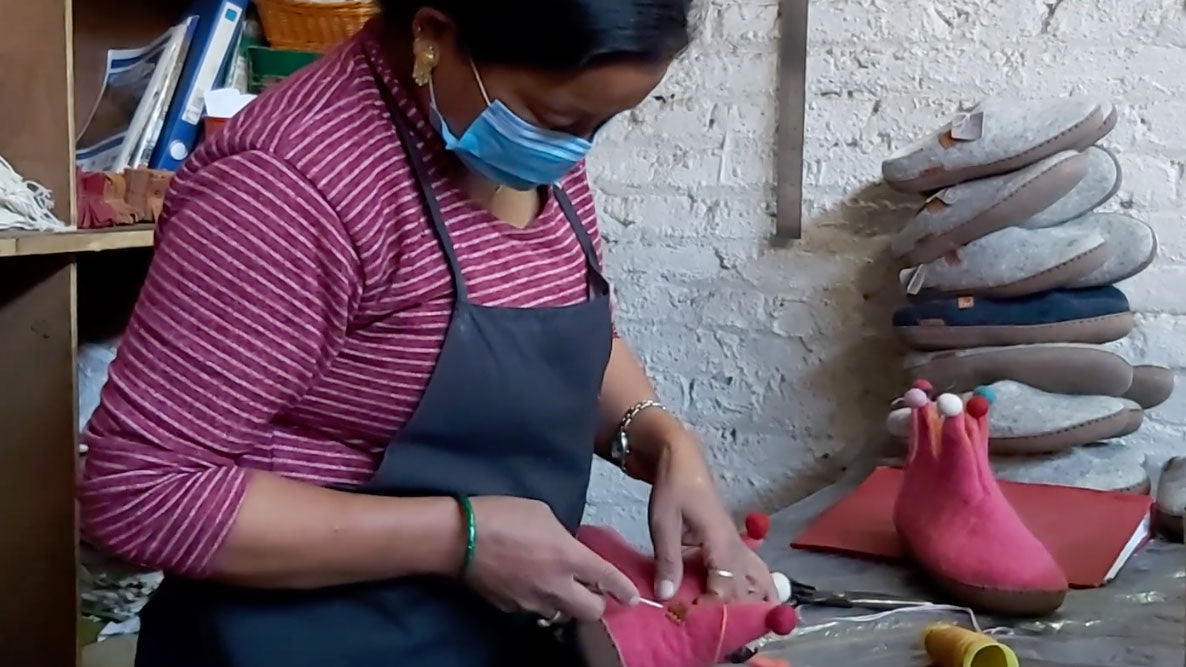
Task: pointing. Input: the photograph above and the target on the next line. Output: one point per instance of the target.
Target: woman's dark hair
(561, 34)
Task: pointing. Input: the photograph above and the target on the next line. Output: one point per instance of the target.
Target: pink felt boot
(954, 520)
(687, 631)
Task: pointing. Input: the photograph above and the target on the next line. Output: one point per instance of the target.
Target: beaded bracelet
(471, 531)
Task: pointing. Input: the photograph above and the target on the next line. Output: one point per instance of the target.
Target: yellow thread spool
(952, 646)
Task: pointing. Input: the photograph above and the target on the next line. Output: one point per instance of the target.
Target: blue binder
(210, 52)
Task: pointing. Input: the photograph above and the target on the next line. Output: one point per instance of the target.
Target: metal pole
(788, 156)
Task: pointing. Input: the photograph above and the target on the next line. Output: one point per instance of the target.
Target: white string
(924, 609)
(481, 84)
(24, 204)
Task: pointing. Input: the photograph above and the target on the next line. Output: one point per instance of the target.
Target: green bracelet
(471, 531)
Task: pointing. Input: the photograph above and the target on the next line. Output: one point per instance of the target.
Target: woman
(354, 413)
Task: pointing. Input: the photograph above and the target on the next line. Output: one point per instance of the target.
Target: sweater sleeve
(246, 300)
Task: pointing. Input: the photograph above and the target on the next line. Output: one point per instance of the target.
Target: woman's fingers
(597, 575)
(666, 536)
(582, 595)
(765, 580)
(579, 603)
(722, 583)
(726, 574)
(736, 572)
(752, 578)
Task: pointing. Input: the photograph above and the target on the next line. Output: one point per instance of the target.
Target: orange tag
(934, 205)
(965, 302)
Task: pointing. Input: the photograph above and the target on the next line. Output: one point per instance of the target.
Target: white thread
(925, 608)
(481, 84)
(24, 204)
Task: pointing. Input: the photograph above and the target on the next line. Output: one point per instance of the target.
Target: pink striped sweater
(294, 310)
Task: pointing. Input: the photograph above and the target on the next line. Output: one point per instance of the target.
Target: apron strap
(597, 280)
(425, 183)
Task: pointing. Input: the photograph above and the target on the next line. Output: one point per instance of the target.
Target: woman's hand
(686, 510)
(525, 561)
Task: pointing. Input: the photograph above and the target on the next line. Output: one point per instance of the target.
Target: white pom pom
(783, 585)
(897, 423)
(950, 405)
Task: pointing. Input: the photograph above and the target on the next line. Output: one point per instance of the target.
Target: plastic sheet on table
(1138, 620)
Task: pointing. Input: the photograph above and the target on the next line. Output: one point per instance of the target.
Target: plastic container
(304, 25)
(266, 66)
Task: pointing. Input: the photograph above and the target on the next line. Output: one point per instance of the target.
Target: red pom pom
(977, 407)
(925, 386)
(782, 619)
(757, 525)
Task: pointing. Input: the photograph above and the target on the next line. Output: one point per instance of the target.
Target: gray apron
(511, 409)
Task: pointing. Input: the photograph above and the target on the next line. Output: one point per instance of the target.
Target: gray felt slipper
(1101, 183)
(1101, 467)
(963, 213)
(998, 136)
(1111, 116)
(1151, 386)
(1025, 421)
(1132, 247)
(1059, 368)
(1171, 498)
(1010, 263)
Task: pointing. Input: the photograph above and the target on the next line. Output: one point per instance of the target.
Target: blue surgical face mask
(508, 150)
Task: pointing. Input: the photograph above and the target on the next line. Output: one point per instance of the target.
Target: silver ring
(724, 574)
(549, 622)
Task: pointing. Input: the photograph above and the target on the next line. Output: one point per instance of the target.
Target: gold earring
(425, 54)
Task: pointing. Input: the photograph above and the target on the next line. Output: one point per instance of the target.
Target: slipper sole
(1117, 424)
(1092, 330)
(1151, 386)
(1055, 369)
(1016, 603)
(1035, 195)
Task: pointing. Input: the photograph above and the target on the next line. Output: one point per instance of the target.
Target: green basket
(266, 66)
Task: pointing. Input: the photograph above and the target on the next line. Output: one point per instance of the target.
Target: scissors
(803, 595)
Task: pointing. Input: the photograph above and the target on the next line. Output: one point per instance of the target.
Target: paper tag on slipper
(968, 126)
(938, 201)
(916, 280)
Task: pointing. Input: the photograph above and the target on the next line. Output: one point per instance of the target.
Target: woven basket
(304, 25)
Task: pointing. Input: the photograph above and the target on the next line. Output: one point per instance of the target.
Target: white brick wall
(782, 359)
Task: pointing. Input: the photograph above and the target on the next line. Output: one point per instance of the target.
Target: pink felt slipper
(956, 523)
(689, 631)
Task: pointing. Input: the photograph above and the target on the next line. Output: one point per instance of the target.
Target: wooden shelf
(55, 287)
(20, 244)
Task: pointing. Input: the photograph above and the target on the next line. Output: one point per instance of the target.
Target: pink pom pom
(916, 398)
(923, 386)
(782, 619)
(757, 525)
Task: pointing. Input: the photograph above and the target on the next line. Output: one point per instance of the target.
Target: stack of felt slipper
(1009, 273)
